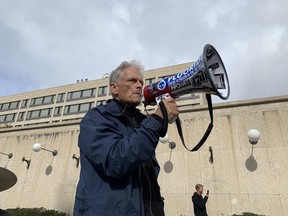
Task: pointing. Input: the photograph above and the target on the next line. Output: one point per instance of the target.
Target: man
(199, 203)
(117, 150)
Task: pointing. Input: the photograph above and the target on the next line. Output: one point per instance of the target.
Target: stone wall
(239, 179)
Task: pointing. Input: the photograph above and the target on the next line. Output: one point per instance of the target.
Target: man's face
(200, 190)
(129, 88)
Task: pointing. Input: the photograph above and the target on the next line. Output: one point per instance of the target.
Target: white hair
(115, 74)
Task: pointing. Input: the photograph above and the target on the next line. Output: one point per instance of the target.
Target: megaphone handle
(208, 130)
(165, 119)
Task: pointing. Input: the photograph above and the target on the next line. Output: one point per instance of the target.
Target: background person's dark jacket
(199, 204)
(111, 152)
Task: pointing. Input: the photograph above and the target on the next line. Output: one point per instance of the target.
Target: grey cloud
(46, 43)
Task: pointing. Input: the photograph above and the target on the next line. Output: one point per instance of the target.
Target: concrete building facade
(240, 179)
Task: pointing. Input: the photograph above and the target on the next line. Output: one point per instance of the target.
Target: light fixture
(77, 159)
(253, 136)
(37, 147)
(165, 139)
(27, 161)
(10, 155)
(211, 159)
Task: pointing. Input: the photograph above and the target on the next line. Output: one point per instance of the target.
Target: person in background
(117, 144)
(199, 203)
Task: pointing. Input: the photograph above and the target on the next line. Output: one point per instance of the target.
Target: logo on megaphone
(206, 75)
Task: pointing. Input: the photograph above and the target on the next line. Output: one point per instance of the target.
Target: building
(240, 179)
(71, 102)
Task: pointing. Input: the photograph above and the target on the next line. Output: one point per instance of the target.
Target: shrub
(35, 212)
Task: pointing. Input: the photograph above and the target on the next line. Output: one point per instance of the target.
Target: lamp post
(10, 155)
(165, 139)
(37, 147)
(253, 136)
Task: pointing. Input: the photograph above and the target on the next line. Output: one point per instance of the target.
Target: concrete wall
(238, 180)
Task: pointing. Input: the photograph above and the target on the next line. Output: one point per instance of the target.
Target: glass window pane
(48, 99)
(61, 97)
(14, 105)
(2, 118)
(10, 117)
(5, 106)
(24, 103)
(38, 101)
(74, 108)
(149, 81)
(102, 91)
(35, 114)
(45, 113)
(87, 93)
(66, 109)
(75, 95)
(84, 107)
(21, 116)
(57, 110)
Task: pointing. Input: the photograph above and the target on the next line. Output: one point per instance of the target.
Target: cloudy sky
(46, 43)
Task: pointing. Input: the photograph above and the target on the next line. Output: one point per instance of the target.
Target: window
(78, 108)
(102, 91)
(5, 106)
(10, 105)
(14, 105)
(60, 97)
(57, 111)
(10, 117)
(42, 100)
(149, 81)
(48, 99)
(24, 103)
(81, 94)
(44, 113)
(101, 102)
(2, 118)
(21, 116)
(88, 93)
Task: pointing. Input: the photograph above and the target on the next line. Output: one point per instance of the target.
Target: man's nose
(139, 84)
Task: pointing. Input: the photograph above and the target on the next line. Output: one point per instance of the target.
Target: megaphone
(206, 75)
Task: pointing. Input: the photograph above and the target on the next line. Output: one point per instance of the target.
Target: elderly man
(117, 150)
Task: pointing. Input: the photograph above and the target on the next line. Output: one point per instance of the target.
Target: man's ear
(114, 88)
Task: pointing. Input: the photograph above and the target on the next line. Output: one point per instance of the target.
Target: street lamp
(165, 139)
(10, 155)
(37, 147)
(253, 136)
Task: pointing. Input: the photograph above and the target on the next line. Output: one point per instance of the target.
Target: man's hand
(171, 107)
(207, 193)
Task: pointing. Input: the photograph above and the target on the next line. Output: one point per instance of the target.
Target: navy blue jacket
(199, 204)
(111, 152)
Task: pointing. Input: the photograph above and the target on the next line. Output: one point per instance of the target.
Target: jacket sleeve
(200, 203)
(111, 150)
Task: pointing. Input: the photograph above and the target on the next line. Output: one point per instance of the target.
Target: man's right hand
(171, 107)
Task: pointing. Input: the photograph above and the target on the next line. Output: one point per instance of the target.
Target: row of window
(10, 105)
(46, 113)
(86, 93)
(7, 118)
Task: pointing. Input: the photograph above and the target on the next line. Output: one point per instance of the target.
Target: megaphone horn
(206, 75)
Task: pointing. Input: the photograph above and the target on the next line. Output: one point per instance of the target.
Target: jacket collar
(114, 108)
